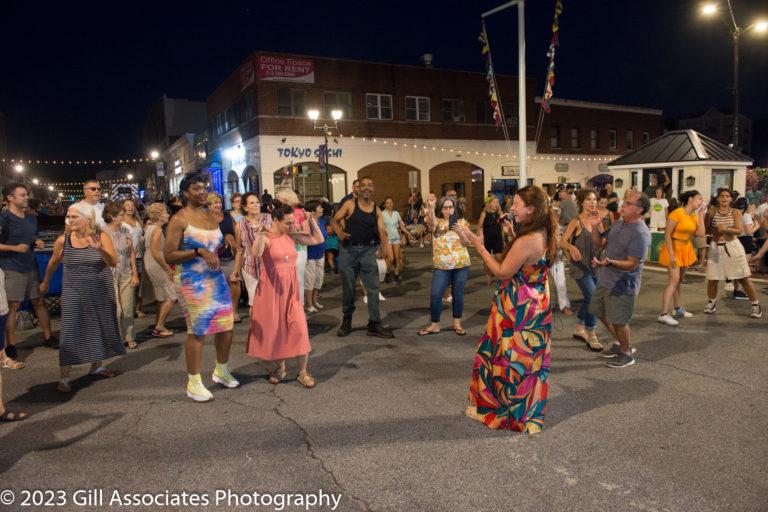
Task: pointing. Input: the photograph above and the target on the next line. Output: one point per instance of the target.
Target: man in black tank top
(362, 235)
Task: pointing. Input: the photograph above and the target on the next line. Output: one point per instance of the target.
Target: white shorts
(250, 285)
(313, 274)
(727, 261)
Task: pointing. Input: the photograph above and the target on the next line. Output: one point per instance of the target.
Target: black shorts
(2, 330)
(494, 246)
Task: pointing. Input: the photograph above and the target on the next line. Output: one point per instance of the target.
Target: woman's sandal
(103, 372)
(306, 380)
(427, 332)
(140, 314)
(460, 331)
(11, 364)
(131, 344)
(64, 386)
(165, 333)
(11, 416)
(277, 375)
(238, 318)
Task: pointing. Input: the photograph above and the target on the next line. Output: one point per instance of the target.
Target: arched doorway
(463, 177)
(251, 180)
(313, 184)
(231, 186)
(393, 179)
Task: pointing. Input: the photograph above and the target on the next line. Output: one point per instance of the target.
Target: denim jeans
(440, 279)
(359, 261)
(587, 285)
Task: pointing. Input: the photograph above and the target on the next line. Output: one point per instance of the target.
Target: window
(575, 142)
(378, 106)
(646, 137)
(177, 167)
(484, 113)
(290, 102)
(554, 137)
(612, 139)
(417, 108)
(510, 113)
(630, 140)
(594, 141)
(453, 111)
(338, 101)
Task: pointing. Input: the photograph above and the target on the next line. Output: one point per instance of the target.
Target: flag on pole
(553, 44)
(493, 97)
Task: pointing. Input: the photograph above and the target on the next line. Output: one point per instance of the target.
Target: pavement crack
(310, 445)
(718, 378)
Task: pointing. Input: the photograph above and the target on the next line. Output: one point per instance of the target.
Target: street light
(130, 176)
(314, 115)
(760, 26)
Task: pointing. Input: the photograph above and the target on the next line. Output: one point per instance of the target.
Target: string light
(31, 161)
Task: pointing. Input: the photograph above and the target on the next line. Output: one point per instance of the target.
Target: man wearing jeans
(17, 259)
(618, 280)
(362, 235)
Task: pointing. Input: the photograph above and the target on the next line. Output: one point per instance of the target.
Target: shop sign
(286, 69)
(561, 167)
(308, 152)
(510, 170)
(603, 168)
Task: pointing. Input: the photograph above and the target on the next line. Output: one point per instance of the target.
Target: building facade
(717, 124)
(410, 128)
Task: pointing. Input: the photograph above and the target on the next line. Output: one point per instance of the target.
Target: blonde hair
(487, 208)
(86, 211)
(154, 211)
(287, 196)
(213, 197)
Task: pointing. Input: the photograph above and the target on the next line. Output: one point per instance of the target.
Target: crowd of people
(276, 251)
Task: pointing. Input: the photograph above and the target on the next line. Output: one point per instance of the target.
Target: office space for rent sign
(286, 69)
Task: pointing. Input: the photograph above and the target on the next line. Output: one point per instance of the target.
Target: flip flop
(162, 334)
(461, 331)
(104, 373)
(9, 416)
(425, 332)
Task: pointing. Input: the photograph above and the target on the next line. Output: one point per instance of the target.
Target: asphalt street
(683, 429)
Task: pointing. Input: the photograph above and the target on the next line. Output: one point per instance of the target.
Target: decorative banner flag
(492, 95)
(554, 42)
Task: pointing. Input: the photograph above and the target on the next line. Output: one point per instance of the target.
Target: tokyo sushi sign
(285, 69)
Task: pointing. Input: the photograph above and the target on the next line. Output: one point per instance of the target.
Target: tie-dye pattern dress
(203, 293)
(510, 375)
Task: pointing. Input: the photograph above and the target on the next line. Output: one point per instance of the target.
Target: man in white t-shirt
(92, 193)
(658, 211)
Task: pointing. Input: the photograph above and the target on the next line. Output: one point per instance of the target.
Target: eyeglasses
(632, 204)
(448, 207)
(95, 189)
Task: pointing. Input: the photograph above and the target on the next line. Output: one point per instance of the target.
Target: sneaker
(448, 300)
(10, 351)
(615, 350)
(381, 297)
(378, 330)
(740, 295)
(757, 311)
(345, 328)
(621, 361)
(728, 287)
(365, 299)
(222, 375)
(764, 290)
(398, 278)
(388, 278)
(666, 318)
(421, 246)
(711, 307)
(52, 342)
(681, 312)
(311, 309)
(196, 391)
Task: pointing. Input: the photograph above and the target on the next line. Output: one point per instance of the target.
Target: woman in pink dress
(278, 324)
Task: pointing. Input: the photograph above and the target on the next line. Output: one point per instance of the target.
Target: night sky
(78, 79)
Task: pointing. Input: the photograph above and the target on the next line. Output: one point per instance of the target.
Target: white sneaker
(311, 309)
(666, 318)
(681, 312)
(365, 299)
(222, 375)
(448, 300)
(381, 297)
(757, 311)
(197, 392)
(421, 246)
(318, 305)
(728, 287)
(711, 308)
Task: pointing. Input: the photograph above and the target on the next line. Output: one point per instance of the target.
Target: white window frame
(577, 140)
(612, 139)
(379, 107)
(594, 138)
(554, 129)
(462, 118)
(419, 101)
(296, 111)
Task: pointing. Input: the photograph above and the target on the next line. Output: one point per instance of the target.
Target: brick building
(408, 127)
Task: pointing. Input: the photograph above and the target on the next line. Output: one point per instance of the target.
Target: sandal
(460, 331)
(64, 386)
(427, 332)
(10, 416)
(11, 364)
(165, 333)
(131, 344)
(277, 375)
(103, 372)
(140, 314)
(306, 380)
(238, 318)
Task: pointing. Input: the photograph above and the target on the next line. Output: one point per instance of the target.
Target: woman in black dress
(489, 227)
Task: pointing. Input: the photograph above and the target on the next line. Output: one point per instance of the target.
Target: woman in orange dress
(677, 253)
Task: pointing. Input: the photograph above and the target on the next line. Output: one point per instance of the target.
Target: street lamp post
(711, 9)
(314, 115)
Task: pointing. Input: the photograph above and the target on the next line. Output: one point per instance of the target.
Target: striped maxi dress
(89, 330)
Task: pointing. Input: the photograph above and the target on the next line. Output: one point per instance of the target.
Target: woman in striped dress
(89, 330)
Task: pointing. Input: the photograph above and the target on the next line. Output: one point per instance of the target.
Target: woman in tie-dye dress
(192, 242)
(510, 374)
